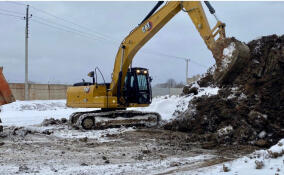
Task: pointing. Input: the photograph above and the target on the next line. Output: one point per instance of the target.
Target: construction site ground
(58, 150)
(233, 128)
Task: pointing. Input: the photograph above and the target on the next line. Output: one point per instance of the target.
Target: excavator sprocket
(231, 56)
(116, 118)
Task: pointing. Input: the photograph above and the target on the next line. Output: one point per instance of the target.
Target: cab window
(142, 82)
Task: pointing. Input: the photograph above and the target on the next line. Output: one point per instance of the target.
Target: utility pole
(186, 70)
(26, 53)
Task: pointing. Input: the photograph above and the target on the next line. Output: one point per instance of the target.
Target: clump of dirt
(248, 109)
(207, 79)
(52, 121)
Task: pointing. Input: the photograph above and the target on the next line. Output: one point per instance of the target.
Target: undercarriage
(100, 119)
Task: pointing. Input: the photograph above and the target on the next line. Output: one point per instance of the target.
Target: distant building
(192, 79)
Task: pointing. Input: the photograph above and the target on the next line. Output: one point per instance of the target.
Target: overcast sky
(57, 56)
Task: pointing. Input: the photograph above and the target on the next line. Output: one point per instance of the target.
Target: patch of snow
(92, 134)
(247, 164)
(195, 84)
(157, 166)
(278, 148)
(258, 47)
(228, 53)
(231, 96)
(255, 61)
(167, 105)
(212, 69)
(242, 96)
(24, 113)
(225, 131)
(264, 116)
(257, 38)
(262, 134)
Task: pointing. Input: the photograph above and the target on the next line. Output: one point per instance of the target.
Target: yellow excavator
(130, 86)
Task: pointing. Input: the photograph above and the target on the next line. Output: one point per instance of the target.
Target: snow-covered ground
(262, 162)
(31, 113)
(166, 105)
(24, 113)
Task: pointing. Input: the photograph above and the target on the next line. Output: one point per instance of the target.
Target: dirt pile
(52, 121)
(247, 109)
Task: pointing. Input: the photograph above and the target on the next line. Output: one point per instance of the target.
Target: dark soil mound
(249, 109)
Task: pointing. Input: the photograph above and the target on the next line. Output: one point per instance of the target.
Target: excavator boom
(152, 24)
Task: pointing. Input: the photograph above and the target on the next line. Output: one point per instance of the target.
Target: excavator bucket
(231, 56)
(6, 95)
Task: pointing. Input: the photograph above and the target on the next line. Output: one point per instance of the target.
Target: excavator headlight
(138, 71)
(145, 72)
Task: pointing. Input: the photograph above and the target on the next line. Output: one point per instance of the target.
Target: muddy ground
(155, 151)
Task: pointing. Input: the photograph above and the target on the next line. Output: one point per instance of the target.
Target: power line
(103, 36)
(6, 14)
(66, 27)
(18, 3)
(87, 35)
(62, 29)
(175, 57)
(10, 11)
(166, 55)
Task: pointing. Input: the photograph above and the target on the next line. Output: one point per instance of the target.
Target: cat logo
(147, 27)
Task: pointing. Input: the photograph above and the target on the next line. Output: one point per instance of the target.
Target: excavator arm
(152, 24)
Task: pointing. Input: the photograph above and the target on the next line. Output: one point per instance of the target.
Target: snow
(262, 134)
(278, 148)
(156, 166)
(145, 167)
(228, 53)
(27, 113)
(247, 164)
(225, 131)
(65, 133)
(167, 105)
(24, 113)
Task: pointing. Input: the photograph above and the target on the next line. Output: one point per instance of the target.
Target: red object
(6, 95)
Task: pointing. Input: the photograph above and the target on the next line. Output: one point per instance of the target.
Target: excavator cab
(137, 86)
